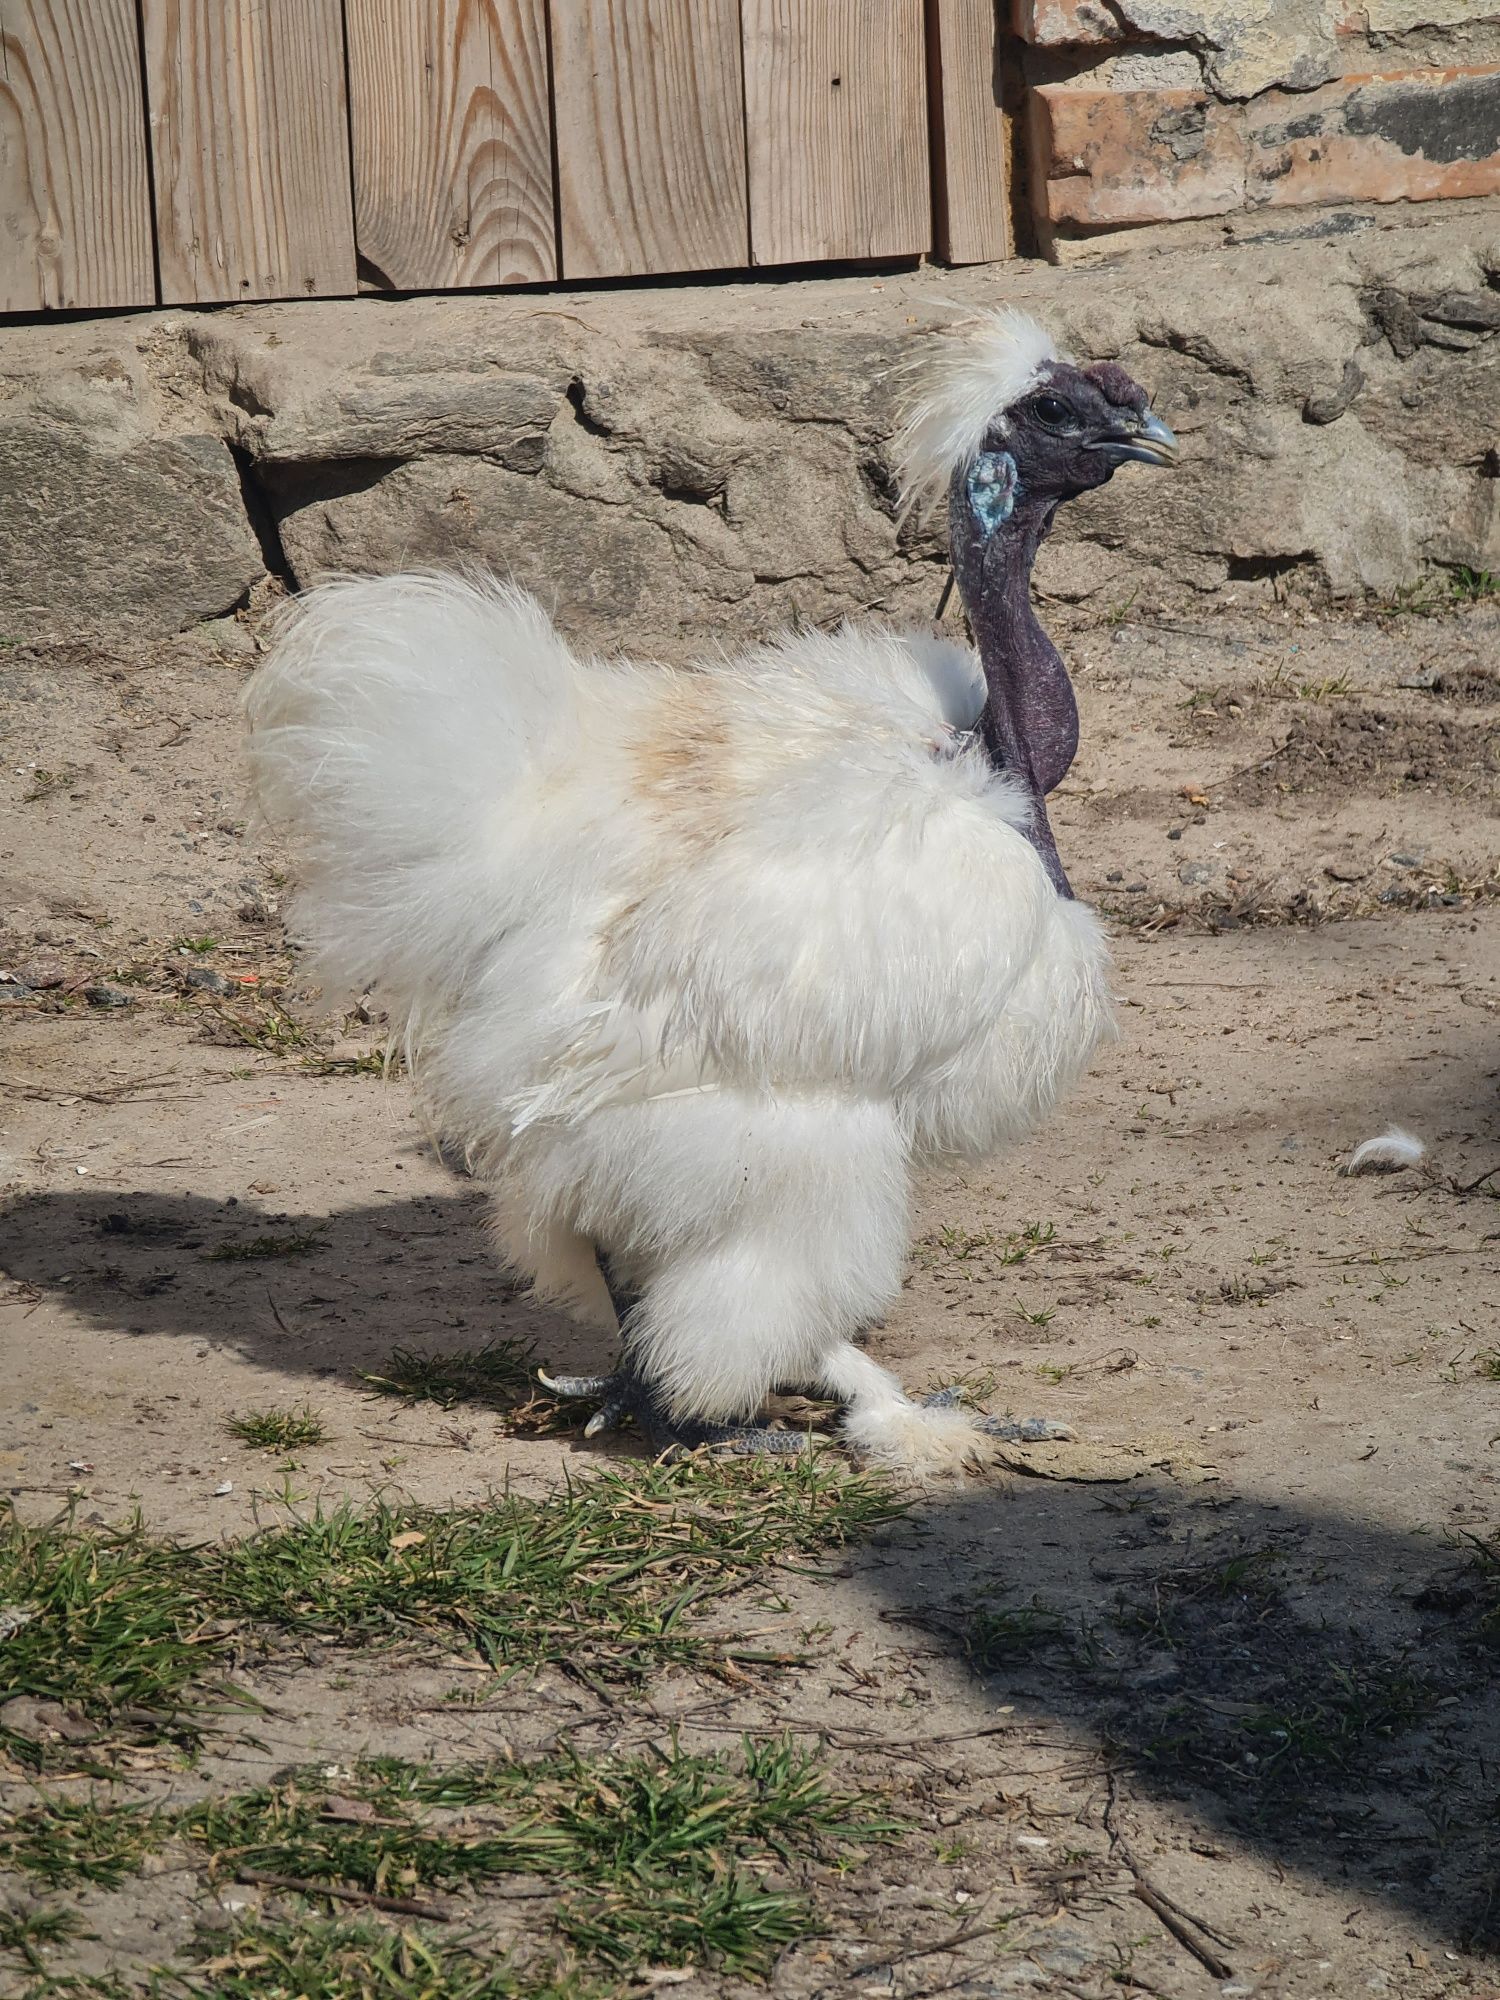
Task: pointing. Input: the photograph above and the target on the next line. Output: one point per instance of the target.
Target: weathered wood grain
(650, 136)
(452, 136)
(250, 141)
(836, 120)
(970, 199)
(75, 206)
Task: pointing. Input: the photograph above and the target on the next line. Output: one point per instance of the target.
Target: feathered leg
(935, 1436)
(627, 1393)
(760, 1235)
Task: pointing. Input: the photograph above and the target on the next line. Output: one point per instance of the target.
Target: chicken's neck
(1030, 721)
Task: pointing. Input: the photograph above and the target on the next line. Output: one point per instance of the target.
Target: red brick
(1415, 135)
(1107, 159)
(1066, 23)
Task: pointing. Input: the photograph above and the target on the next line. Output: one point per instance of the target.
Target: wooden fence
(187, 152)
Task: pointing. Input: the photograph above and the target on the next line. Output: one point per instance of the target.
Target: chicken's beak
(1145, 438)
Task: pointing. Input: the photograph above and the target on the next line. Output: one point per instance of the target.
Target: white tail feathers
(1387, 1154)
(391, 731)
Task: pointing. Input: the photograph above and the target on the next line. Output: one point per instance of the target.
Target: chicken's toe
(1013, 1430)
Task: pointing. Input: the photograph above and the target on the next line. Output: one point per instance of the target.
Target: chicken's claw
(1013, 1430)
(625, 1394)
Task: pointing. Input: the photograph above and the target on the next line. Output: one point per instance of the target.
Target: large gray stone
(113, 517)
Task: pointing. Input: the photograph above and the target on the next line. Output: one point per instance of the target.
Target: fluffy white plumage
(1388, 1153)
(965, 390)
(697, 966)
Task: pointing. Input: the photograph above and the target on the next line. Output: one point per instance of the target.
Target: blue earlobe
(993, 489)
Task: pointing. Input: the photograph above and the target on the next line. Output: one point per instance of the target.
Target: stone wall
(1143, 112)
(679, 467)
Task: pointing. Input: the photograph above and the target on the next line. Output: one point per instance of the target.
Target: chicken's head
(1011, 429)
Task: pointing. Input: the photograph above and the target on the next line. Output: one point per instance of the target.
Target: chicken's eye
(1052, 411)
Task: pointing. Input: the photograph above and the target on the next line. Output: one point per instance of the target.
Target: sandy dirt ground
(1227, 1644)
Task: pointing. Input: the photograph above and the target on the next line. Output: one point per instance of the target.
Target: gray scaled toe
(1014, 1430)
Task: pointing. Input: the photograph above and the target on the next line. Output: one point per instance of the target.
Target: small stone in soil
(41, 974)
(206, 980)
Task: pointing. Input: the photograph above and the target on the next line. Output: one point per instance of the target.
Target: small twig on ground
(1374, 1258)
(434, 1444)
(1171, 1915)
(110, 1094)
(1468, 1187)
(401, 1906)
(1162, 1910)
(949, 1943)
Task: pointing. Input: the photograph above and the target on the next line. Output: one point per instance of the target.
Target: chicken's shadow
(306, 1295)
(1304, 1684)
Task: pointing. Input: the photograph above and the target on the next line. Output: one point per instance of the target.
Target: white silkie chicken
(700, 966)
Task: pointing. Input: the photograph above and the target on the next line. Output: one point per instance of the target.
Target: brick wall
(1155, 111)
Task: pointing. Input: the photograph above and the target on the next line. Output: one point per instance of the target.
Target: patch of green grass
(1487, 1363)
(66, 1841)
(45, 783)
(28, 1932)
(1354, 1707)
(500, 1373)
(1247, 1575)
(998, 1636)
(118, 1622)
(297, 1244)
(1473, 586)
(370, 1062)
(197, 946)
(1281, 684)
(1040, 1316)
(1439, 591)
(606, 1573)
(720, 1919)
(979, 1249)
(364, 1960)
(263, 1025)
(657, 1856)
(613, 1576)
(279, 1430)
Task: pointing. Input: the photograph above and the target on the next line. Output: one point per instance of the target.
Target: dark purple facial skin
(1068, 434)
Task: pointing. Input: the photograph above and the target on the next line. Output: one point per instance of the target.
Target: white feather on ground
(1387, 1154)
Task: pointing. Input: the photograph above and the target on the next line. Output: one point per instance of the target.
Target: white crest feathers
(961, 393)
(1387, 1154)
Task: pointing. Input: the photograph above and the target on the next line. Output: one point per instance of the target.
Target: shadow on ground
(1314, 1686)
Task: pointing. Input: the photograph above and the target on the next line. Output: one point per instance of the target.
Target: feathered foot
(934, 1439)
(626, 1394)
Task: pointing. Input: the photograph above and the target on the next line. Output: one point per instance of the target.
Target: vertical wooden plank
(971, 210)
(452, 142)
(650, 136)
(250, 140)
(836, 120)
(75, 206)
